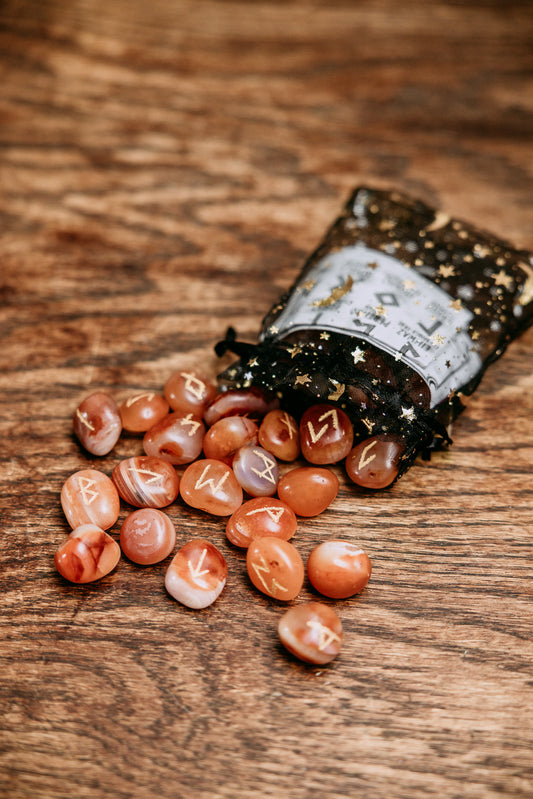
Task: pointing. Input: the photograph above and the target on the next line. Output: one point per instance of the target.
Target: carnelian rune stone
(374, 462)
(141, 411)
(326, 434)
(338, 569)
(189, 391)
(97, 423)
(256, 470)
(275, 567)
(197, 574)
(146, 482)
(88, 554)
(177, 438)
(312, 632)
(251, 402)
(147, 536)
(90, 497)
(279, 435)
(227, 435)
(259, 517)
(308, 490)
(211, 486)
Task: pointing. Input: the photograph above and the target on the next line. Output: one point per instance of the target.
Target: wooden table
(165, 168)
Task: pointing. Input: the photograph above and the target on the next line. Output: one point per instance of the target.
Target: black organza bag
(394, 317)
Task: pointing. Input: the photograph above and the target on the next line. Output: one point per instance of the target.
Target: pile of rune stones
(230, 444)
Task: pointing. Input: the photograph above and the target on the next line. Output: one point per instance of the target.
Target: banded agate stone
(90, 497)
(197, 574)
(312, 632)
(88, 554)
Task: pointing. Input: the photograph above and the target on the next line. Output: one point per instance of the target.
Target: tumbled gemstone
(326, 434)
(338, 569)
(88, 554)
(312, 632)
(177, 438)
(251, 402)
(97, 423)
(279, 435)
(146, 482)
(197, 574)
(256, 470)
(259, 517)
(90, 497)
(275, 567)
(374, 462)
(147, 536)
(189, 391)
(211, 486)
(141, 411)
(308, 490)
(228, 435)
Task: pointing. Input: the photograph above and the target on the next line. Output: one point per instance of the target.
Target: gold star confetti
(527, 290)
(308, 285)
(358, 355)
(373, 264)
(475, 335)
(379, 310)
(296, 350)
(408, 413)
(409, 284)
(273, 329)
(302, 380)
(437, 340)
(398, 355)
(335, 295)
(325, 336)
(253, 362)
(501, 278)
(456, 305)
(446, 270)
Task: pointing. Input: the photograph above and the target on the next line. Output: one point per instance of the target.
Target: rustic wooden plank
(164, 170)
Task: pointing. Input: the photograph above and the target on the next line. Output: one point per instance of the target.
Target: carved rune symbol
(85, 484)
(325, 635)
(188, 421)
(317, 436)
(208, 481)
(196, 571)
(194, 385)
(269, 464)
(263, 569)
(273, 511)
(155, 476)
(84, 420)
(131, 400)
(363, 460)
(289, 424)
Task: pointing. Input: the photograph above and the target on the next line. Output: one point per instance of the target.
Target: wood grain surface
(165, 168)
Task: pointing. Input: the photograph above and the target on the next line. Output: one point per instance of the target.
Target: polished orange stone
(141, 411)
(374, 462)
(275, 567)
(250, 402)
(90, 497)
(256, 470)
(312, 632)
(259, 517)
(177, 438)
(189, 391)
(338, 569)
(308, 490)
(326, 434)
(197, 574)
(279, 434)
(147, 536)
(146, 482)
(88, 554)
(226, 436)
(211, 486)
(97, 423)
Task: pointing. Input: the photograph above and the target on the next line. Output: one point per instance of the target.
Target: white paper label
(365, 293)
